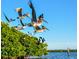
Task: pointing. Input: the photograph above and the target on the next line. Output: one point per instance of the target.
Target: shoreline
(72, 50)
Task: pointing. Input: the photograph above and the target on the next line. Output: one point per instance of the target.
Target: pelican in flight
(38, 29)
(9, 20)
(18, 27)
(36, 21)
(21, 16)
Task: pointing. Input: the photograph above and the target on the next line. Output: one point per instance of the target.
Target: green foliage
(10, 45)
(15, 43)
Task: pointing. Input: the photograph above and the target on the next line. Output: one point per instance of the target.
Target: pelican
(38, 29)
(18, 28)
(36, 21)
(39, 41)
(9, 20)
(21, 16)
(68, 51)
(42, 39)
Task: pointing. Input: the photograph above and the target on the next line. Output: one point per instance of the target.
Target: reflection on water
(57, 55)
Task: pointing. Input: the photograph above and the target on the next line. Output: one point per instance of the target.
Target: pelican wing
(33, 12)
(6, 17)
(21, 22)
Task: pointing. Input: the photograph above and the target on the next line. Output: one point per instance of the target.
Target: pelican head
(44, 28)
(41, 16)
(18, 9)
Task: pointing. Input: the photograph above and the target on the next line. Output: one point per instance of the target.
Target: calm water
(58, 55)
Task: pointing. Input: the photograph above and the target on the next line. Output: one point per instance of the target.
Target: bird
(18, 28)
(68, 51)
(21, 16)
(9, 20)
(36, 21)
(44, 28)
(39, 29)
(42, 39)
(33, 12)
(38, 41)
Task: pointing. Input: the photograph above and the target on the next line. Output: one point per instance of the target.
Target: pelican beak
(45, 21)
(47, 29)
(28, 14)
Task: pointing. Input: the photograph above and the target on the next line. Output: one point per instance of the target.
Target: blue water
(60, 55)
(57, 55)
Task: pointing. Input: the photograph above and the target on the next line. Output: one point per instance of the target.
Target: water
(58, 55)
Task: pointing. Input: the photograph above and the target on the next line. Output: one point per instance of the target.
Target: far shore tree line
(63, 50)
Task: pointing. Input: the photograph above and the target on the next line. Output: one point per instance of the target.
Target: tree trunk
(21, 57)
(12, 58)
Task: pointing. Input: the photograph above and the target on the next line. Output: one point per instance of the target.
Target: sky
(60, 14)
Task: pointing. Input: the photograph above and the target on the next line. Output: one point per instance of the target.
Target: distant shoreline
(72, 50)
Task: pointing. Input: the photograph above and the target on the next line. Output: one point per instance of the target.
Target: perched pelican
(9, 20)
(21, 16)
(39, 41)
(42, 39)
